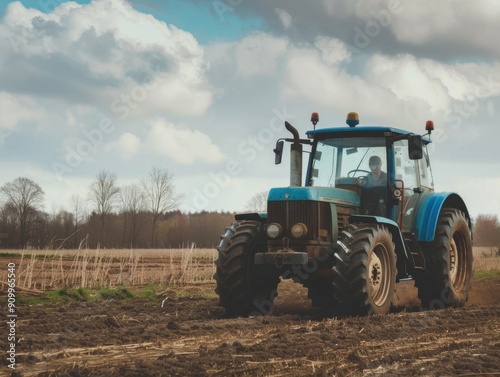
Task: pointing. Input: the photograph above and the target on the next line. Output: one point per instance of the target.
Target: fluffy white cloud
(447, 90)
(470, 24)
(105, 53)
(17, 109)
(126, 146)
(410, 80)
(182, 145)
(333, 50)
(412, 88)
(258, 54)
(312, 78)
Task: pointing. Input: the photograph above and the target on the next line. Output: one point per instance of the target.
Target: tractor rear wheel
(365, 274)
(244, 288)
(447, 278)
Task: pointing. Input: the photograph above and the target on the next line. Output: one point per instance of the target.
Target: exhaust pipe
(295, 157)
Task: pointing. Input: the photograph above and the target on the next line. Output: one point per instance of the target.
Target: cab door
(407, 187)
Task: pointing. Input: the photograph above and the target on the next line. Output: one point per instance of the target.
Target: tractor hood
(320, 194)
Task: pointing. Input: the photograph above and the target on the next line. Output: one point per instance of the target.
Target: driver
(377, 177)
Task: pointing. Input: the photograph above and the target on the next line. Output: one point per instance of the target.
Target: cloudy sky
(202, 88)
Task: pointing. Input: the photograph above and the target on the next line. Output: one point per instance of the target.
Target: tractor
(366, 218)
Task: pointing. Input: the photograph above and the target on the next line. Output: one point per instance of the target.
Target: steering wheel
(362, 181)
(357, 170)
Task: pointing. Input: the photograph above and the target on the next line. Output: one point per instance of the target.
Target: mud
(179, 335)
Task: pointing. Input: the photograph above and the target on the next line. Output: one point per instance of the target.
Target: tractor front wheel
(244, 288)
(447, 278)
(365, 273)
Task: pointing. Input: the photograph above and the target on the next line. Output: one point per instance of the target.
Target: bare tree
(103, 194)
(132, 201)
(160, 195)
(78, 210)
(39, 232)
(25, 198)
(258, 202)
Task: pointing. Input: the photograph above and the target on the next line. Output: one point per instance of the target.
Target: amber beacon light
(314, 119)
(352, 119)
(429, 126)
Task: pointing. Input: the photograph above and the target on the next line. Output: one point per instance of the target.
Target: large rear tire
(365, 274)
(244, 288)
(447, 278)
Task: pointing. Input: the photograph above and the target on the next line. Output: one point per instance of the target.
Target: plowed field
(187, 335)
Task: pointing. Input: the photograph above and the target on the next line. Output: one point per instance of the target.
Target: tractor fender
(393, 227)
(428, 212)
(255, 216)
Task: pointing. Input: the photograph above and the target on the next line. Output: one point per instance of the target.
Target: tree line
(487, 231)
(138, 215)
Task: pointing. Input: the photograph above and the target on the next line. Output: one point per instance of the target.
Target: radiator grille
(315, 215)
(343, 214)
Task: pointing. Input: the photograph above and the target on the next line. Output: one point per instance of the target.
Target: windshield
(345, 157)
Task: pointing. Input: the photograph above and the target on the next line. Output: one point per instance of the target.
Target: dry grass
(486, 258)
(49, 269)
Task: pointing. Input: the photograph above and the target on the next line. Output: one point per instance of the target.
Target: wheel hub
(453, 261)
(375, 273)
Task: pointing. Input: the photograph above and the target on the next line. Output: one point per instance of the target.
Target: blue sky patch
(208, 21)
(45, 6)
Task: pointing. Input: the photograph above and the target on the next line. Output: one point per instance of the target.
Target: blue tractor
(366, 218)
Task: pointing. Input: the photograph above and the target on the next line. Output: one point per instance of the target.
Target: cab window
(425, 171)
(404, 167)
(345, 158)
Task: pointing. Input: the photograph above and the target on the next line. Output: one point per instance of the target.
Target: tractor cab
(387, 168)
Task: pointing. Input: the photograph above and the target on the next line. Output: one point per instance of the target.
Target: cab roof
(360, 131)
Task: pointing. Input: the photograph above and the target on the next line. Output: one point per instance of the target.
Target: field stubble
(177, 334)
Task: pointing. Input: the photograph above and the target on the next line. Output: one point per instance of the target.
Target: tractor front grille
(343, 214)
(315, 215)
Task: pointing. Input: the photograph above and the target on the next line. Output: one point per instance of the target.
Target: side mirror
(278, 151)
(415, 147)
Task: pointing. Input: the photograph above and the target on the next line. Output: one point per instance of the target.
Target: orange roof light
(429, 126)
(352, 119)
(314, 118)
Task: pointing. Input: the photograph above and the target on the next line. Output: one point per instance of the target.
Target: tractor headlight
(274, 230)
(299, 230)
